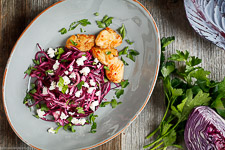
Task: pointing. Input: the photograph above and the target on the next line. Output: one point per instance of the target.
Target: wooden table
(171, 20)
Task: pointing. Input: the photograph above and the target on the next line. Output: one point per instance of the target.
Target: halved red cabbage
(205, 130)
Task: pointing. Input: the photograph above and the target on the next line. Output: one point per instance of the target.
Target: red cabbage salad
(69, 86)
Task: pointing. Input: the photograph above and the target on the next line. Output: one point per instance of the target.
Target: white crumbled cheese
(53, 85)
(72, 75)
(85, 71)
(80, 61)
(66, 72)
(51, 74)
(71, 92)
(78, 121)
(67, 91)
(57, 112)
(92, 82)
(93, 105)
(51, 52)
(99, 65)
(66, 80)
(51, 130)
(96, 60)
(63, 116)
(56, 65)
(78, 93)
(45, 90)
(71, 113)
(91, 89)
(97, 93)
(71, 68)
(85, 85)
(40, 113)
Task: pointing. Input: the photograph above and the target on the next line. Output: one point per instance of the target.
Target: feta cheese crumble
(51, 130)
(85, 71)
(71, 113)
(51, 52)
(66, 80)
(72, 75)
(98, 93)
(63, 116)
(86, 85)
(78, 93)
(80, 61)
(93, 105)
(78, 121)
(71, 68)
(45, 90)
(96, 60)
(66, 72)
(92, 82)
(56, 65)
(53, 85)
(40, 113)
(99, 65)
(91, 89)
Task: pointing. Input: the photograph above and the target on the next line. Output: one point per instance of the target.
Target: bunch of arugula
(185, 88)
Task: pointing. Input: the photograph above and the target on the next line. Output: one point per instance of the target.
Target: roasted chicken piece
(116, 70)
(108, 38)
(81, 41)
(104, 55)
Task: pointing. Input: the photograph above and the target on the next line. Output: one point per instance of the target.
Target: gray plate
(142, 74)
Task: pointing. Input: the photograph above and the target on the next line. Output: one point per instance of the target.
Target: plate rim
(128, 124)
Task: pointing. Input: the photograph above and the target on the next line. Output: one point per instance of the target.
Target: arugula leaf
(124, 83)
(79, 85)
(63, 31)
(124, 51)
(80, 110)
(124, 62)
(129, 42)
(119, 92)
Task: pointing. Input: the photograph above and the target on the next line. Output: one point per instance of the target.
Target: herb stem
(155, 147)
(153, 133)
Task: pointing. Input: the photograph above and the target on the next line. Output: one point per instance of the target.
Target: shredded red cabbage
(68, 103)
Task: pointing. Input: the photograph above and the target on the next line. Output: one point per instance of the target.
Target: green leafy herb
(92, 118)
(79, 85)
(122, 31)
(60, 52)
(29, 70)
(100, 24)
(124, 62)
(84, 22)
(133, 52)
(185, 88)
(105, 79)
(124, 51)
(103, 104)
(106, 68)
(36, 62)
(44, 107)
(49, 71)
(108, 52)
(33, 91)
(124, 83)
(57, 129)
(36, 116)
(61, 82)
(114, 103)
(80, 110)
(64, 60)
(73, 26)
(131, 57)
(119, 92)
(65, 87)
(96, 14)
(63, 31)
(129, 42)
(82, 30)
(74, 43)
(106, 21)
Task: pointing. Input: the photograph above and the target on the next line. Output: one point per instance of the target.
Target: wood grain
(171, 20)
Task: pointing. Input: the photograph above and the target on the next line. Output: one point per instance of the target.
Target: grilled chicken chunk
(82, 42)
(108, 38)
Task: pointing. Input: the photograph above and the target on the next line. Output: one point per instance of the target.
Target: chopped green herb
(79, 85)
(82, 30)
(103, 104)
(131, 57)
(105, 79)
(33, 85)
(106, 68)
(129, 42)
(61, 82)
(96, 14)
(36, 116)
(26, 98)
(36, 62)
(33, 91)
(72, 128)
(65, 87)
(60, 52)
(105, 18)
(119, 92)
(100, 24)
(80, 110)
(74, 43)
(124, 62)
(122, 31)
(49, 71)
(133, 52)
(37, 106)
(65, 127)
(64, 60)
(124, 51)
(70, 118)
(29, 70)
(84, 22)
(57, 129)
(72, 27)
(92, 118)
(63, 31)
(108, 52)
(113, 103)
(124, 83)
(108, 21)
(44, 107)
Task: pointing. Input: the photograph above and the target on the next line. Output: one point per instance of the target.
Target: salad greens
(185, 88)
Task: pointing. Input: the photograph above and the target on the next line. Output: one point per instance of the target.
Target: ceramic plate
(142, 74)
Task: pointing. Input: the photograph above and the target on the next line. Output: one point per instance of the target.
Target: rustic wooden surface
(171, 20)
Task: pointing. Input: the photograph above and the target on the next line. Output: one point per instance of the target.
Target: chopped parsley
(63, 31)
